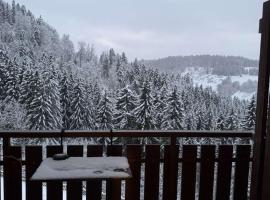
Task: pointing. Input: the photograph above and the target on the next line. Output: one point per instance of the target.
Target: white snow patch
(243, 95)
(202, 77)
(83, 168)
(244, 78)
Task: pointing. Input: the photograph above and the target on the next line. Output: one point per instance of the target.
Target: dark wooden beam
(126, 133)
(262, 105)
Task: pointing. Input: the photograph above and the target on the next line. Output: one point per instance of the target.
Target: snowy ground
(243, 95)
(201, 77)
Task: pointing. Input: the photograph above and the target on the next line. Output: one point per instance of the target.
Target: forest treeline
(214, 64)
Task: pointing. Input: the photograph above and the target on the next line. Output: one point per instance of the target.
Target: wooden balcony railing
(171, 170)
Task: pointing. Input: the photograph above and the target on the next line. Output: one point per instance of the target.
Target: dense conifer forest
(46, 83)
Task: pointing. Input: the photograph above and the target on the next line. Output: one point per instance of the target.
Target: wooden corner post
(261, 148)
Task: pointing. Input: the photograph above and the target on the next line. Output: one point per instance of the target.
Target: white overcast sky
(157, 28)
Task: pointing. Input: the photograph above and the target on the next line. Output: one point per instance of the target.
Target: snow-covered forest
(46, 83)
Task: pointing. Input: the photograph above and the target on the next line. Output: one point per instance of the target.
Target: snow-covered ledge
(83, 168)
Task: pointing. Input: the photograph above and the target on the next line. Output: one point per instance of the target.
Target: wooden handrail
(226, 157)
(127, 133)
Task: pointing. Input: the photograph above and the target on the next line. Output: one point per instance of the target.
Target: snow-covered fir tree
(188, 123)
(144, 113)
(231, 122)
(125, 104)
(12, 116)
(160, 102)
(65, 102)
(4, 61)
(105, 64)
(96, 96)
(89, 111)
(12, 85)
(173, 114)
(220, 125)
(78, 118)
(39, 110)
(200, 121)
(105, 113)
(209, 120)
(250, 118)
(52, 94)
(200, 117)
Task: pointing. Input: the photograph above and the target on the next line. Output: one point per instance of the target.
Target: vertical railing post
(6, 144)
(260, 150)
(173, 140)
(12, 171)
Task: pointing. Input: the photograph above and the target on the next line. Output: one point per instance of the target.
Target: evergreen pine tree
(44, 103)
(27, 87)
(96, 96)
(105, 113)
(144, 112)
(220, 125)
(111, 57)
(173, 113)
(200, 121)
(124, 58)
(81, 53)
(7, 14)
(105, 64)
(13, 12)
(231, 122)
(2, 12)
(65, 101)
(37, 108)
(160, 98)
(78, 117)
(125, 104)
(250, 118)
(52, 94)
(12, 85)
(4, 61)
(200, 118)
(12, 116)
(209, 120)
(189, 123)
(121, 73)
(89, 107)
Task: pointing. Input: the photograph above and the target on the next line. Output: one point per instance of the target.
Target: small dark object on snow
(98, 172)
(60, 156)
(120, 170)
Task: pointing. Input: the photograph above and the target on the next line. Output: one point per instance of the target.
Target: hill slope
(229, 75)
(219, 65)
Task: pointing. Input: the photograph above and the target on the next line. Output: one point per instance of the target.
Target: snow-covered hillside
(228, 75)
(204, 77)
(47, 84)
(243, 95)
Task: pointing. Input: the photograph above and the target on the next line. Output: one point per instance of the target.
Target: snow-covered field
(244, 78)
(243, 95)
(201, 77)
